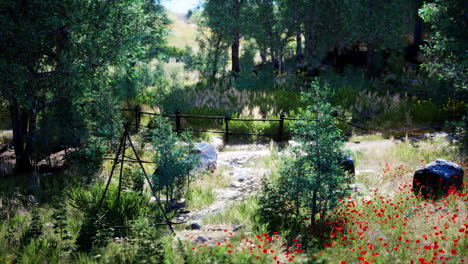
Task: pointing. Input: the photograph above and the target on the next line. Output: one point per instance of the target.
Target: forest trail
(242, 165)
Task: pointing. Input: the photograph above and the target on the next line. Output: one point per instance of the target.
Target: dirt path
(241, 167)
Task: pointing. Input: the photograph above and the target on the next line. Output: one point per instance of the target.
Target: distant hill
(183, 32)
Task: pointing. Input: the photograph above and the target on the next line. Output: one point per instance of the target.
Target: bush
(313, 177)
(274, 210)
(100, 220)
(175, 158)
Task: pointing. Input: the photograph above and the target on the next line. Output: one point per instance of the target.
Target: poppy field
(375, 226)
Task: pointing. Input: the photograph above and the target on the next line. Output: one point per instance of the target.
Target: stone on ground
(436, 178)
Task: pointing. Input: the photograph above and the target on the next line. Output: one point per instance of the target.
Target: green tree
(175, 159)
(447, 49)
(223, 18)
(313, 177)
(212, 40)
(379, 25)
(271, 24)
(56, 56)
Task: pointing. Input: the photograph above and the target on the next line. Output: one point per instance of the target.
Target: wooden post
(177, 114)
(122, 160)
(226, 122)
(137, 117)
(168, 221)
(280, 129)
(124, 136)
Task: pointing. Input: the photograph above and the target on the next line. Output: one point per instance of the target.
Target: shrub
(313, 177)
(175, 158)
(99, 221)
(274, 210)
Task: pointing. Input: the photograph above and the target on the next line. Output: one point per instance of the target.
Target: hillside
(183, 32)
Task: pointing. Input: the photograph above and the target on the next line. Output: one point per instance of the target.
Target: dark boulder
(193, 226)
(348, 165)
(437, 178)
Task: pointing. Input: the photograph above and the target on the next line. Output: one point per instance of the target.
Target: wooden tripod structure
(121, 158)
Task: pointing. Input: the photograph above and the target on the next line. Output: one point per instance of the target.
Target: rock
(194, 226)
(356, 187)
(175, 205)
(207, 154)
(437, 177)
(56, 160)
(237, 228)
(32, 199)
(348, 165)
(201, 239)
(235, 185)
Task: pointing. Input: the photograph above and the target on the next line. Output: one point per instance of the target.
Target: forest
(241, 131)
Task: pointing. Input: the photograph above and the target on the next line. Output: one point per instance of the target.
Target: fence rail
(178, 126)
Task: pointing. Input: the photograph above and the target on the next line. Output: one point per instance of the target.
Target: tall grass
(199, 197)
(241, 212)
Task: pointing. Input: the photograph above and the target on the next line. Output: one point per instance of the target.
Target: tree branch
(40, 74)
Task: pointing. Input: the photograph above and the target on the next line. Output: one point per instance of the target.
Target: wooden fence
(177, 116)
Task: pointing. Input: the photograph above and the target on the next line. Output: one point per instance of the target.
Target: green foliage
(241, 212)
(199, 197)
(193, 62)
(274, 210)
(40, 251)
(378, 23)
(35, 229)
(313, 177)
(135, 179)
(56, 80)
(446, 50)
(148, 240)
(185, 254)
(175, 159)
(447, 44)
(98, 223)
(60, 225)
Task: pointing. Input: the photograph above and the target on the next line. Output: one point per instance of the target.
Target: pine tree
(314, 178)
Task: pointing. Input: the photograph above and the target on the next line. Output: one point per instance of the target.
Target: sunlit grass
(202, 190)
(371, 137)
(240, 212)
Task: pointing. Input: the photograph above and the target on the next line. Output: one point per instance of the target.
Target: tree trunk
(263, 54)
(217, 51)
(19, 122)
(235, 52)
(370, 63)
(309, 39)
(235, 38)
(299, 44)
(275, 61)
(297, 20)
(30, 147)
(418, 24)
(417, 35)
